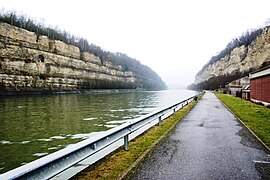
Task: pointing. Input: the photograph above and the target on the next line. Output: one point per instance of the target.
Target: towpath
(208, 144)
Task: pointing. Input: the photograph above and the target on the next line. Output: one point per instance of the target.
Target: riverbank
(255, 117)
(119, 163)
(57, 92)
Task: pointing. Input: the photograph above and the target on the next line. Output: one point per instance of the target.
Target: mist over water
(34, 126)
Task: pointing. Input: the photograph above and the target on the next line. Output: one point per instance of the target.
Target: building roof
(260, 73)
(246, 88)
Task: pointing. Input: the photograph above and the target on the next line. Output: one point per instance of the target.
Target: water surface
(34, 126)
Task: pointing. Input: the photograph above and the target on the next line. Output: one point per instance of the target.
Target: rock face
(29, 62)
(241, 61)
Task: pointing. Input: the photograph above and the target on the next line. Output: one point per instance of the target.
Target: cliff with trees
(241, 56)
(34, 58)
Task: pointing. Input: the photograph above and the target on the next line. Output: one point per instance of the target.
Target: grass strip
(114, 165)
(255, 117)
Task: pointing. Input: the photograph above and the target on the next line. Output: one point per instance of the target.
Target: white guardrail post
(63, 160)
(126, 142)
(159, 120)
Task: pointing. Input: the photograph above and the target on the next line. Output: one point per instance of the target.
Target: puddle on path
(248, 140)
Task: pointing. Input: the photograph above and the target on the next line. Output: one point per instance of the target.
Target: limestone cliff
(33, 63)
(239, 62)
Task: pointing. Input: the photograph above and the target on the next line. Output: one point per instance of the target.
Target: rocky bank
(30, 63)
(238, 63)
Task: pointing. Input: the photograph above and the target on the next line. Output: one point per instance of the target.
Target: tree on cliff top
(245, 39)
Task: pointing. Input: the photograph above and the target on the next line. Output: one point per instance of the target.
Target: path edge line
(138, 160)
(252, 132)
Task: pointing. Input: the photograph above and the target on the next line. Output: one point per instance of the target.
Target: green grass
(114, 165)
(254, 116)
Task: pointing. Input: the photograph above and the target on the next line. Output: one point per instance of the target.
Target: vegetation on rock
(241, 56)
(245, 39)
(146, 77)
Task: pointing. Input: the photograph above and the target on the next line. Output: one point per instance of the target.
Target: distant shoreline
(60, 92)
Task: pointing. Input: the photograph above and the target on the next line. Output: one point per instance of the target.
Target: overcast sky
(173, 37)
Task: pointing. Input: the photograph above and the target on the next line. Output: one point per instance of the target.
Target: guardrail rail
(67, 162)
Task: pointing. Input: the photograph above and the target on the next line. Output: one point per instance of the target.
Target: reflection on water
(34, 126)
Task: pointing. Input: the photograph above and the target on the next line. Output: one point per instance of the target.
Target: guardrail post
(174, 110)
(159, 121)
(126, 142)
(94, 146)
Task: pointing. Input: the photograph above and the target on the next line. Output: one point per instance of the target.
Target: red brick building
(260, 86)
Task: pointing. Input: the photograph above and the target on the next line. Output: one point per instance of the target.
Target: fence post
(126, 142)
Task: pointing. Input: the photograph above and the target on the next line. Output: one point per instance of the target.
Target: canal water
(34, 126)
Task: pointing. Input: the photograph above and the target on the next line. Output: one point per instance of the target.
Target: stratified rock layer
(29, 62)
(241, 61)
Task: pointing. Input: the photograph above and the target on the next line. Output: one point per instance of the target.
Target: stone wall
(35, 63)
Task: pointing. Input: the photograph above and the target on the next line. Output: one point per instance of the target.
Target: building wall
(260, 89)
(244, 81)
(234, 90)
(246, 95)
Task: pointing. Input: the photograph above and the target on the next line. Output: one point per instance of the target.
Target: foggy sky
(174, 38)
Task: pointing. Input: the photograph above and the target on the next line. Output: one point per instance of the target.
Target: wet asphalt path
(208, 144)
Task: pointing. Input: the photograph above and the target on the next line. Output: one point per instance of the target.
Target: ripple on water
(2, 165)
(5, 142)
(99, 125)
(118, 110)
(110, 125)
(24, 142)
(43, 139)
(57, 137)
(20, 107)
(51, 138)
(118, 122)
(89, 119)
(40, 154)
(53, 148)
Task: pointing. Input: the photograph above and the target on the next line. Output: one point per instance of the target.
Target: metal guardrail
(53, 164)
